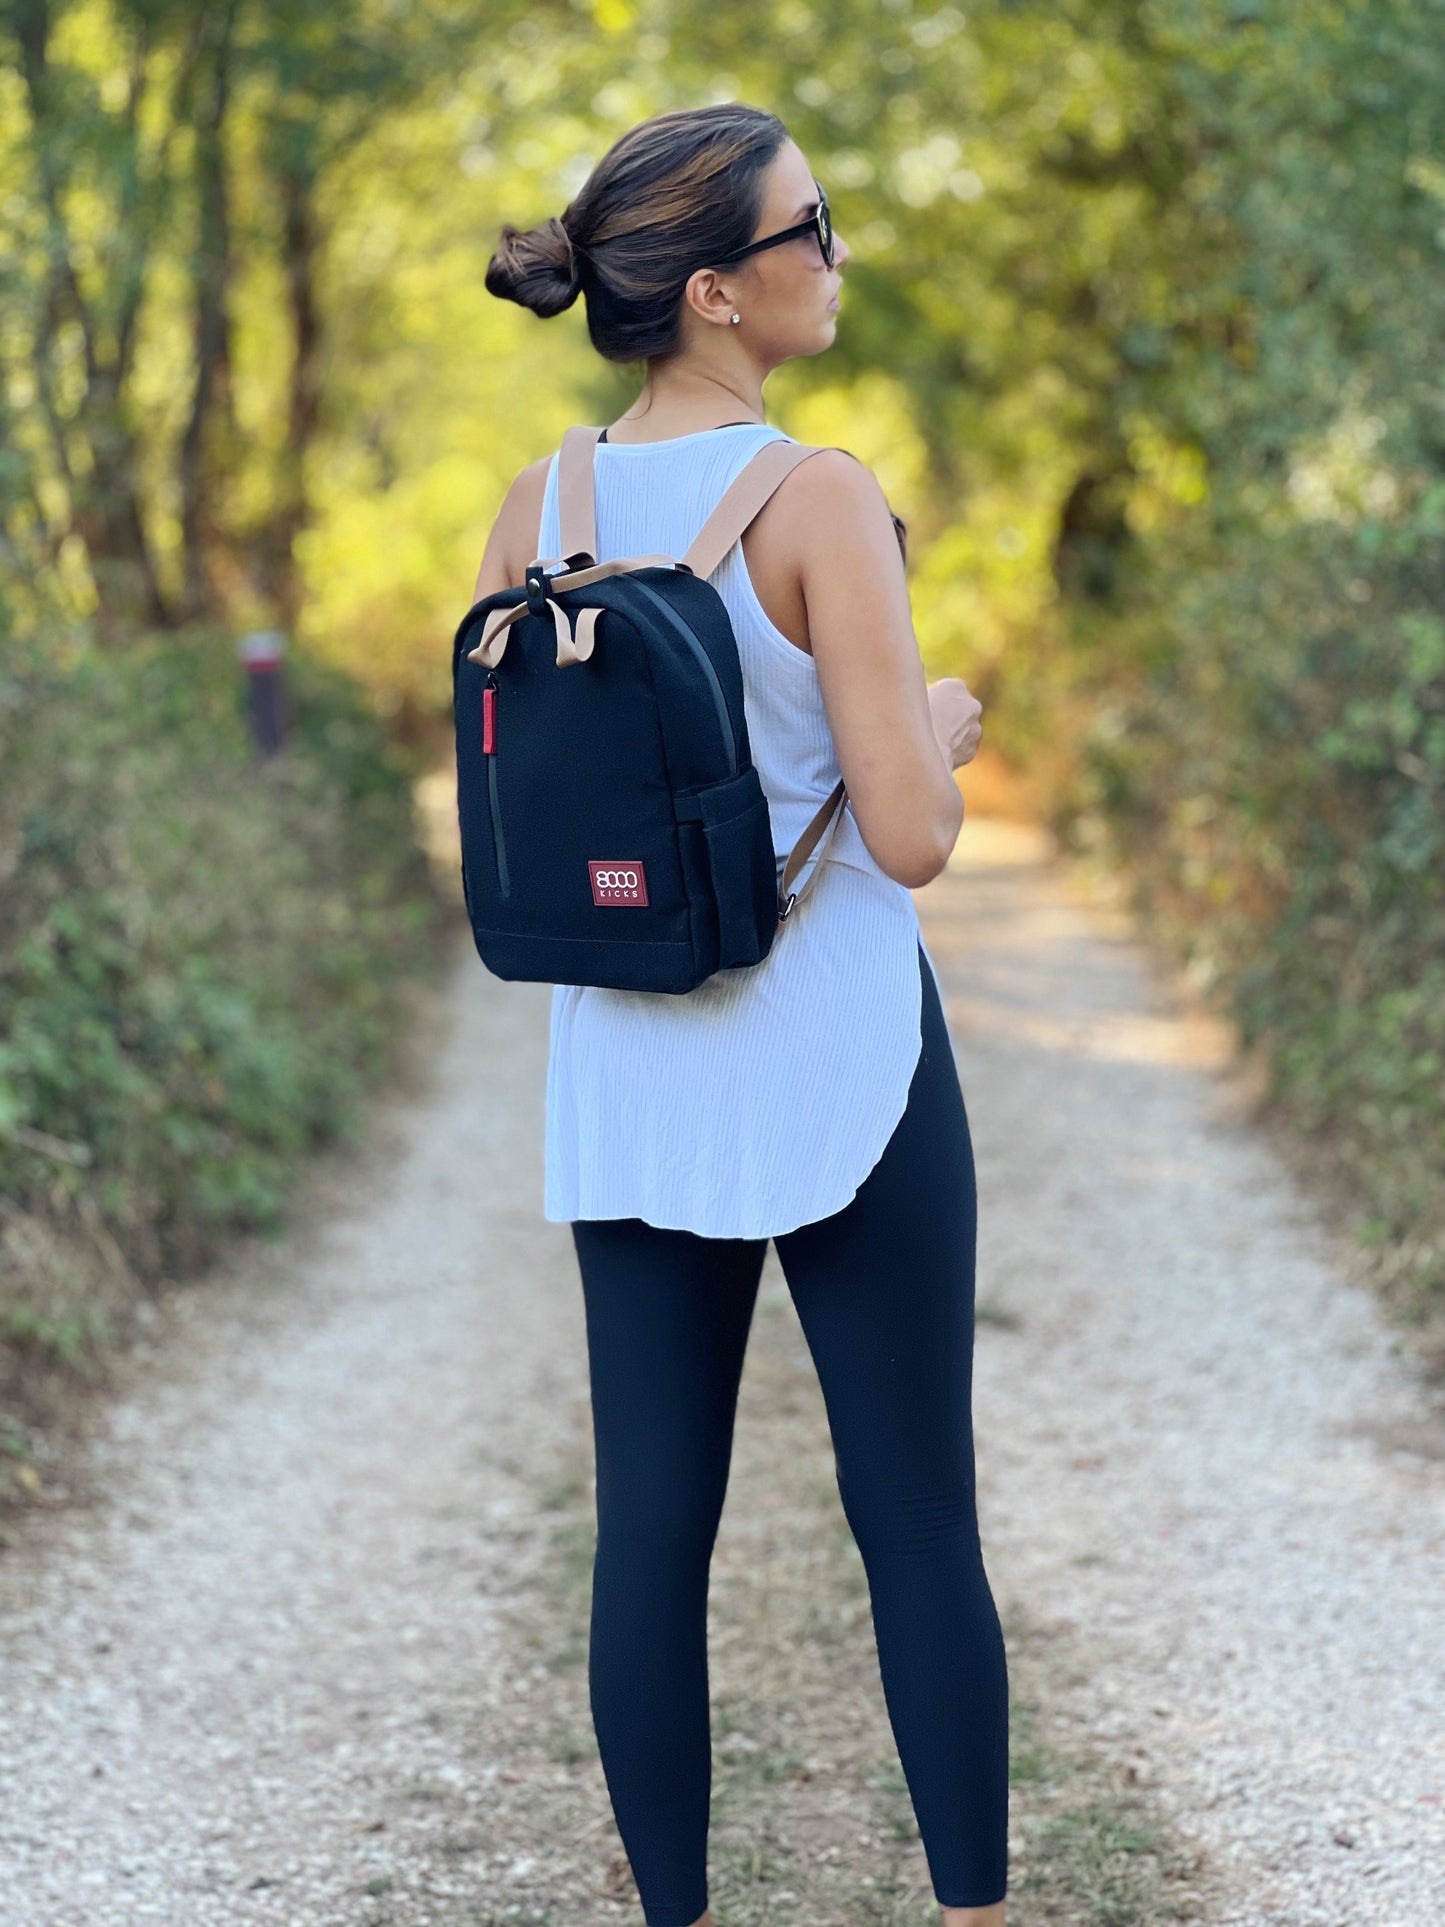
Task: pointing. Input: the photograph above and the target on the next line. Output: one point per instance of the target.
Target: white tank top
(760, 1100)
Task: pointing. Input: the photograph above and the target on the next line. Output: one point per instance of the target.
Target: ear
(710, 296)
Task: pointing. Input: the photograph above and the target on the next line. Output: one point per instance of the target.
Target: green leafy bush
(199, 948)
(1252, 697)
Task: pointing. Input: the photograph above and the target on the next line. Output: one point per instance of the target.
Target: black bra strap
(603, 436)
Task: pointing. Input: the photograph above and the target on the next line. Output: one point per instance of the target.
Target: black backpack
(613, 827)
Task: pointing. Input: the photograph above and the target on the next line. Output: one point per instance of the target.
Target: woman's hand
(955, 711)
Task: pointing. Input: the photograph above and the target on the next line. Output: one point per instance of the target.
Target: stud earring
(737, 317)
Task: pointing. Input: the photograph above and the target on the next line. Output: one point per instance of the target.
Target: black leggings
(884, 1290)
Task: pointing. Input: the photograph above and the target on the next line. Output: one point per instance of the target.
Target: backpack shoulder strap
(749, 489)
(744, 496)
(831, 807)
(576, 490)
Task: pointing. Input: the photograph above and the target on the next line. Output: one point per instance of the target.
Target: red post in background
(261, 653)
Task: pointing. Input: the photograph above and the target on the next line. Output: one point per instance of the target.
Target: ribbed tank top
(760, 1100)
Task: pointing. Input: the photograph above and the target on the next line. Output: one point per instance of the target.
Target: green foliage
(1254, 703)
(67, 1340)
(1141, 334)
(198, 950)
(163, 331)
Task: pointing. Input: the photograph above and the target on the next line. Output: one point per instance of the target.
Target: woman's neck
(685, 406)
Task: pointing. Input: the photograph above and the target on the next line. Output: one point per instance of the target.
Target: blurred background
(1142, 338)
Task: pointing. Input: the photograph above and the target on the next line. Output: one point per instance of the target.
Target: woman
(813, 1098)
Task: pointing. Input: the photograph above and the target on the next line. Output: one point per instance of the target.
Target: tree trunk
(105, 505)
(301, 248)
(211, 403)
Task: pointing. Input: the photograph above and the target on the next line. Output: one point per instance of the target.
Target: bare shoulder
(834, 469)
(823, 544)
(523, 512)
(833, 517)
(834, 499)
(512, 543)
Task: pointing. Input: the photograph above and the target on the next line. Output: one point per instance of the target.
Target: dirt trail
(1204, 1454)
(272, 1664)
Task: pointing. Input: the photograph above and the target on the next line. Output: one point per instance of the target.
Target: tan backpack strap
(749, 489)
(744, 496)
(836, 801)
(576, 491)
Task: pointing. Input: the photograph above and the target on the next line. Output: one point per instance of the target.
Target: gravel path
(1203, 1451)
(256, 1670)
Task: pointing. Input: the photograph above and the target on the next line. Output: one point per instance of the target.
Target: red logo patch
(617, 881)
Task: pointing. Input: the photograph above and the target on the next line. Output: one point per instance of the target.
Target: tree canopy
(1142, 339)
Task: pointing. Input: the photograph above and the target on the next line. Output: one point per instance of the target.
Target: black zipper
(489, 743)
(725, 721)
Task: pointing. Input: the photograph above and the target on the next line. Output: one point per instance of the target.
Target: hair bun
(537, 267)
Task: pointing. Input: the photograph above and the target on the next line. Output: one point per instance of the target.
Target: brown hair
(679, 192)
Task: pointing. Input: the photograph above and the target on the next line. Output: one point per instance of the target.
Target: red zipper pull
(489, 720)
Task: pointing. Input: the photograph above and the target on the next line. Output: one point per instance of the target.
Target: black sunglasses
(819, 223)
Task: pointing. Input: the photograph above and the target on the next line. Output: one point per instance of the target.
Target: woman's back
(652, 498)
(761, 1099)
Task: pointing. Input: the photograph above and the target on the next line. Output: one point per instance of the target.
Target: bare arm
(512, 543)
(895, 759)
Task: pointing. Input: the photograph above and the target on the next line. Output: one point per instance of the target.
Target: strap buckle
(536, 587)
(783, 912)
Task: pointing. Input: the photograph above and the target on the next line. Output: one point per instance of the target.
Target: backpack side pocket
(742, 867)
